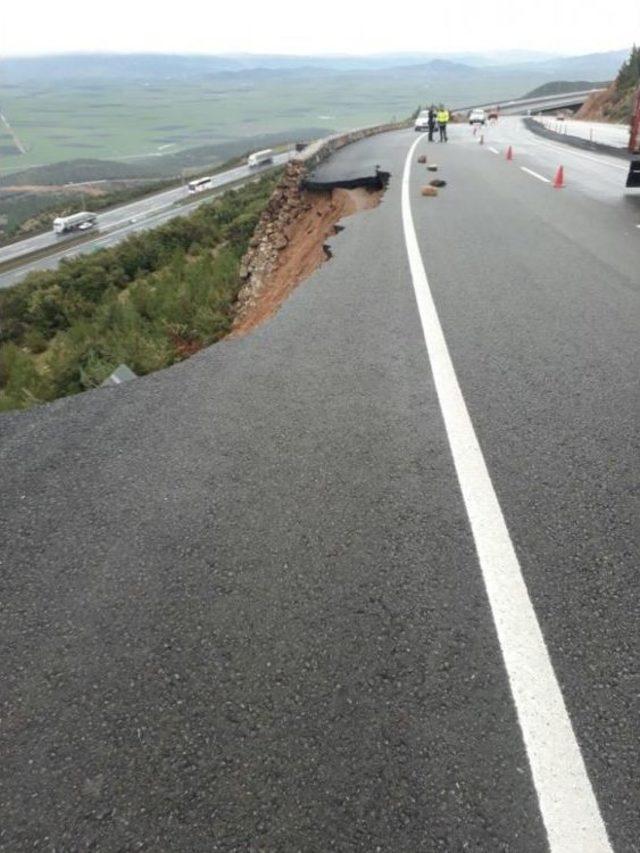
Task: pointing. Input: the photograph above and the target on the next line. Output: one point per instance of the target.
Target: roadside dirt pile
(289, 243)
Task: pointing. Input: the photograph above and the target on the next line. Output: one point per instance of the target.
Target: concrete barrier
(319, 150)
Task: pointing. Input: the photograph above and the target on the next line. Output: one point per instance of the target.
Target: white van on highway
(260, 158)
(477, 117)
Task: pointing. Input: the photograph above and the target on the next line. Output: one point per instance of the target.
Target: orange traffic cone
(558, 181)
(509, 153)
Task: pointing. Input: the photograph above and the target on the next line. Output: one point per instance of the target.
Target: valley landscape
(90, 130)
(146, 112)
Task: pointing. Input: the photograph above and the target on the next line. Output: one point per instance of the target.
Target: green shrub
(148, 302)
(21, 384)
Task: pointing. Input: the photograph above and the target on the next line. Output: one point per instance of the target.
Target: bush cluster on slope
(152, 300)
(627, 82)
(559, 87)
(616, 104)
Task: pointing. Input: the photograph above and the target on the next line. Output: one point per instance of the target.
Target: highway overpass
(523, 106)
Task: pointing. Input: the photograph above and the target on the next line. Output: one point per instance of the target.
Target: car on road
(422, 122)
(477, 117)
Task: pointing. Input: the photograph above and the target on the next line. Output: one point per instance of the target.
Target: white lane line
(493, 150)
(567, 802)
(535, 174)
(571, 151)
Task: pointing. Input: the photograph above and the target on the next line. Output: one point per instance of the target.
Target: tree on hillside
(629, 74)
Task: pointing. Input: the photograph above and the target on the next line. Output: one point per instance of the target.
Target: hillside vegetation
(616, 103)
(152, 300)
(559, 87)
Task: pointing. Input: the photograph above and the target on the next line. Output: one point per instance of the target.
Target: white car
(477, 117)
(422, 122)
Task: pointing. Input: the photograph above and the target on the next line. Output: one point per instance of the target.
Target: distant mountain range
(545, 67)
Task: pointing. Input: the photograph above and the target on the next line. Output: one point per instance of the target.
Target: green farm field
(152, 116)
(143, 121)
(139, 121)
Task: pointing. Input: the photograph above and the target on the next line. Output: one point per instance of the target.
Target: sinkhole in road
(306, 246)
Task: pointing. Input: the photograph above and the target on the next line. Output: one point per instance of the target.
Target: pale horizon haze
(286, 27)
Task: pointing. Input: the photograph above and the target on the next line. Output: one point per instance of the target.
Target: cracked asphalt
(241, 606)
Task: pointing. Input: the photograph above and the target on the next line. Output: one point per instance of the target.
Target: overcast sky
(340, 26)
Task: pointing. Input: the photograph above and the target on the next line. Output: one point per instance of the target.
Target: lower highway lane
(120, 220)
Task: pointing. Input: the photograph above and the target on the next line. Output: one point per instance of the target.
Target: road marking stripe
(567, 802)
(535, 174)
(570, 149)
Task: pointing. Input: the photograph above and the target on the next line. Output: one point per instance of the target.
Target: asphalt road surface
(272, 598)
(598, 176)
(120, 217)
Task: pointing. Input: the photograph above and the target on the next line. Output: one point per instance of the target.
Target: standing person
(432, 122)
(443, 121)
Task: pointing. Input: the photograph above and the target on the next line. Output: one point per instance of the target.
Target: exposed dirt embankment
(615, 105)
(290, 243)
(596, 106)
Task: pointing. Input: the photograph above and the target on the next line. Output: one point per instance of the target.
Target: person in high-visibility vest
(443, 121)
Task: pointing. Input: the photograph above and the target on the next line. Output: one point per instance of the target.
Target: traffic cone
(482, 139)
(509, 153)
(558, 181)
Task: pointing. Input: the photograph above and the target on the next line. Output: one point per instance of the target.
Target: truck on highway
(259, 158)
(75, 222)
(422, 121)
(633, 178)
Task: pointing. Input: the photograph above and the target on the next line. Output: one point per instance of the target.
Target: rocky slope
(615, 104)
